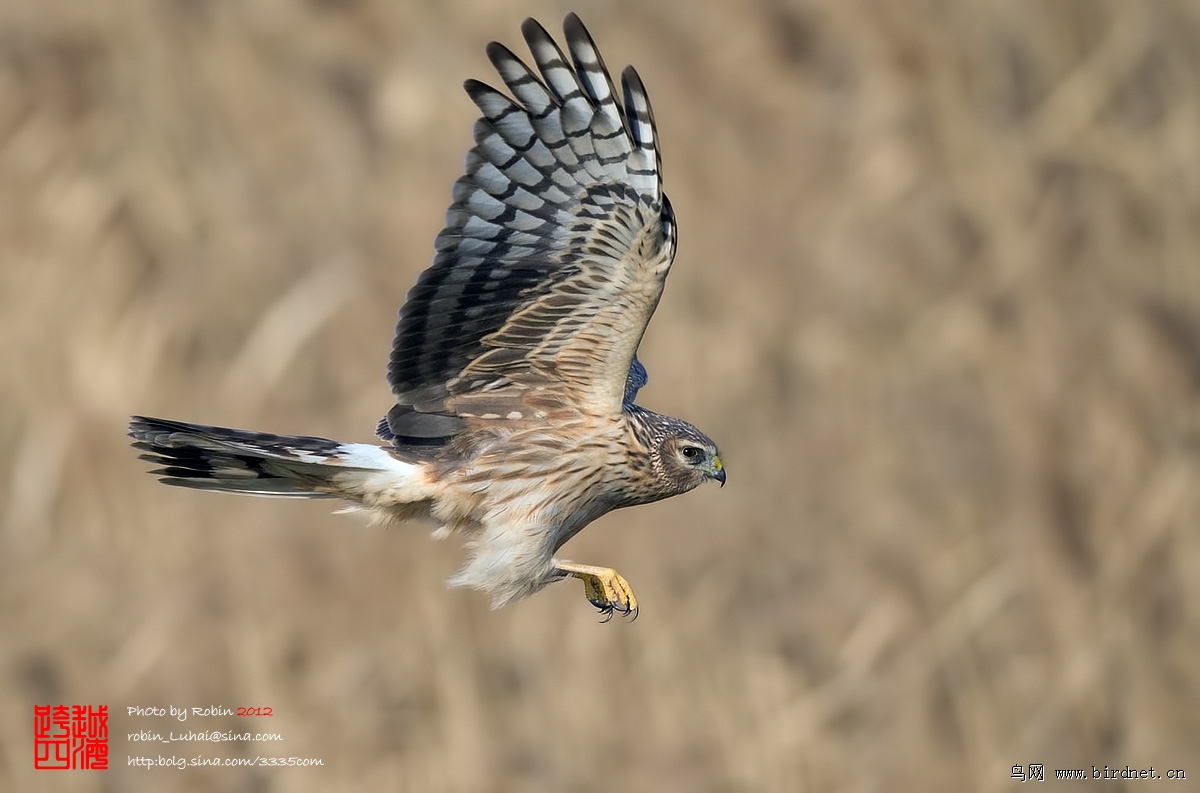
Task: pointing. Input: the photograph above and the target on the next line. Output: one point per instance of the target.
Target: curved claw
(625, 609)
(605, 609)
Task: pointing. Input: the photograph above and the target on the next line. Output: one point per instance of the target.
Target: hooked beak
(718, 470)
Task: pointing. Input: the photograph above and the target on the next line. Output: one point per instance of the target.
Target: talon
(606, 589)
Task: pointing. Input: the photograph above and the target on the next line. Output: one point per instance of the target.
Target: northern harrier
(514, 365)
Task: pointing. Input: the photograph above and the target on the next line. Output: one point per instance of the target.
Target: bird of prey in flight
(514, 365)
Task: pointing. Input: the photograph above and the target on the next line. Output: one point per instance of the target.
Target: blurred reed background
(937, 297)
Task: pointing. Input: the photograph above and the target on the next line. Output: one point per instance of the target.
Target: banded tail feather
(259, 463)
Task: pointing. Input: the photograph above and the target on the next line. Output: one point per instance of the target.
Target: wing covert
(553, 256)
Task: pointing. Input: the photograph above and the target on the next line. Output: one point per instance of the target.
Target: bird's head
(683, 456)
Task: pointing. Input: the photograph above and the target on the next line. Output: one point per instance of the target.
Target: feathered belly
(518, 517)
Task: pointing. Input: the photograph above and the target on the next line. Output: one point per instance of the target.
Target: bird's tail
(261, 464)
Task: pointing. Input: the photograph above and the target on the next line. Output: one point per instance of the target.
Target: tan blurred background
(937, 297)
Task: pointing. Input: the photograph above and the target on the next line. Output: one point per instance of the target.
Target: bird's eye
(691, 452)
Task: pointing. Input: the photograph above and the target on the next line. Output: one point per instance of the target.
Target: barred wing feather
(554, 254)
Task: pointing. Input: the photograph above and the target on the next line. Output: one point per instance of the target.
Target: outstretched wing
(553, 257)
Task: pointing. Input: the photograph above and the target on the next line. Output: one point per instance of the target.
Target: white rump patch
(378, 478)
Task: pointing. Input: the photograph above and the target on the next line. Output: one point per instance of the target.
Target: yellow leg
(605, 588)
